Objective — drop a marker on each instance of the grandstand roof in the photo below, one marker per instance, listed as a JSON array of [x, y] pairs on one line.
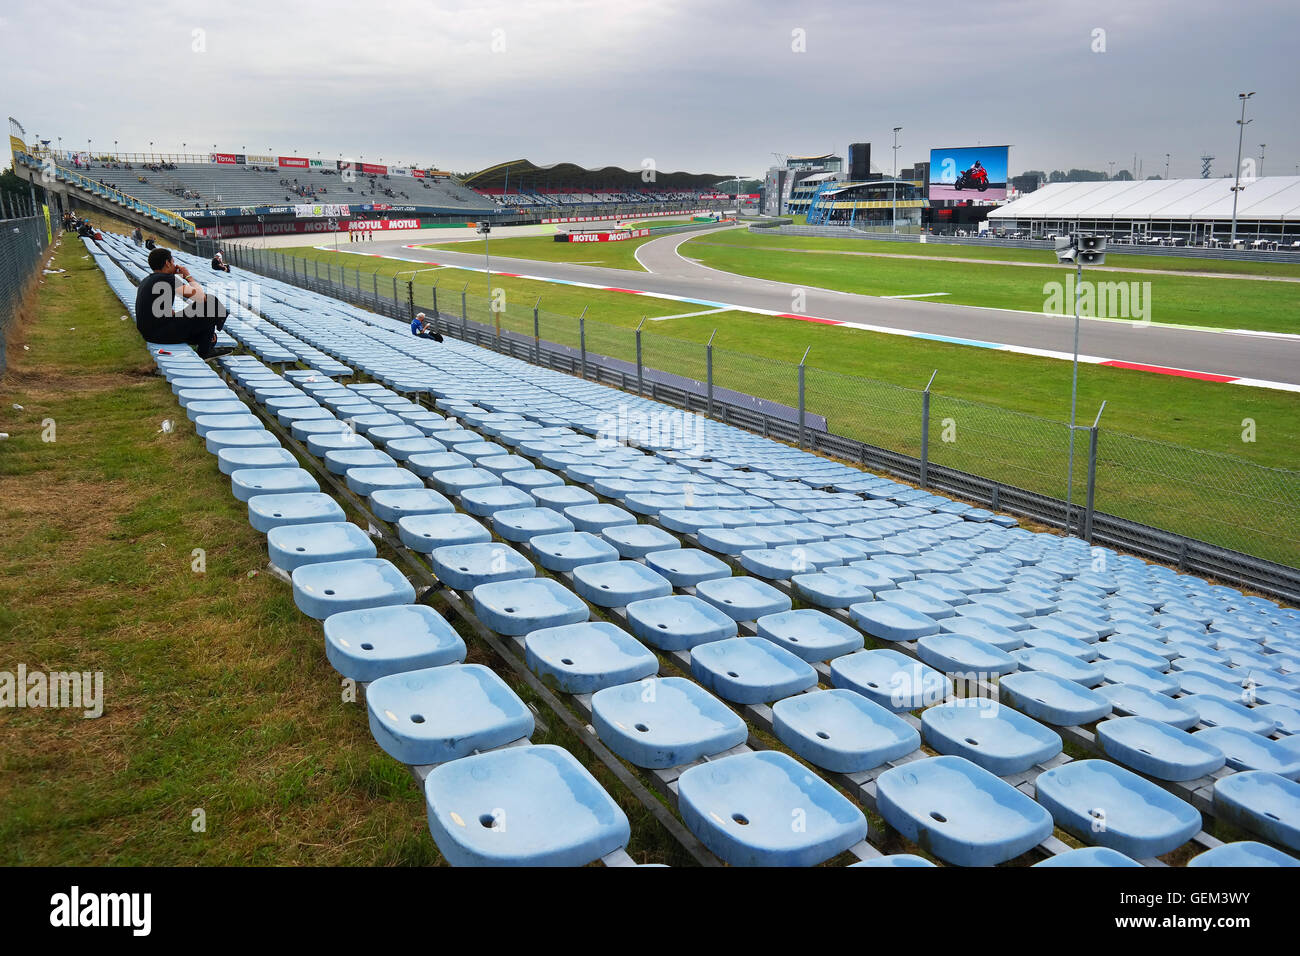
[[804, 159], [1270, 197], [525, 171]]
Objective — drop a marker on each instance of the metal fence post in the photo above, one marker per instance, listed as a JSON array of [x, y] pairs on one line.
[[803, 441], [437, 319], [1092, 475], [464, 313], [582, 340], [394, 288], [925, 429], [375, 277], [640, 369], [318, 272], [410, 299], [708, 371], [537, 334]]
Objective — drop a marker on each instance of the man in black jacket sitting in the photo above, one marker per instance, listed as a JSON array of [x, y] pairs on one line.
[[155, 316]]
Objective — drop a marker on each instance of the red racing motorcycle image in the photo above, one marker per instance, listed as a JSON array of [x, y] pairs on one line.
[[977, 177]]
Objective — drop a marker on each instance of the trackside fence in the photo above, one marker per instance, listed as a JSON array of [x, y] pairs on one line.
[[1214, 515], [23, 241]]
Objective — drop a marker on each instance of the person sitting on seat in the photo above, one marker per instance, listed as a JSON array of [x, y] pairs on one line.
[[155, 315], [422, 328], [219, 263]]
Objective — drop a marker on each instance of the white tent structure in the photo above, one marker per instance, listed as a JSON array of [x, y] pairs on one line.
[[1196, 211]]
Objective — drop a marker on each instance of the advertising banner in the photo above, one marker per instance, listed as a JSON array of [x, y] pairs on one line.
[[602, 236], [398, 171], [372, 169], [259, 159], [241, 159], [969, 172], [418, 173], [225, 159], [320, 210], [258, 229], [292, 162], [377, 224], [315, 162]]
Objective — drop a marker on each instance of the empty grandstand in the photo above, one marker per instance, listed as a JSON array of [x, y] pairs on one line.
[[523, 186], [646, 576]]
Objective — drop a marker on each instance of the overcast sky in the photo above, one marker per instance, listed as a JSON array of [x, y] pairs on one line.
[[700, 86]]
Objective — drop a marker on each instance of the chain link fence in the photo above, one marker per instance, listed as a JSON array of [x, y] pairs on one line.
[[1214, 514], [23, 242]]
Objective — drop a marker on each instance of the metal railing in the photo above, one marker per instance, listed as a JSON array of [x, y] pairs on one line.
[[88, 184], [1224, 517], [23, 242]]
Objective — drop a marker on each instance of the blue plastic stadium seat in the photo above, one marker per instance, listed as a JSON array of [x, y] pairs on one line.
[[743, 598], [218, 441], [271, 511], [892, 680], [320, 590], [1245, 853], [1129, 700], [230, 460], [750, 670], [1089, 856], [367, 644], [1218, 712], [741, 808], [827, 589], [1001, 740], [1126, 672], [638, 540], [1100, 802], [457, 481], [892, 622], [678, 622], [293, 545], [340, 461], [247, 482], [1058, 663], [618, 583], [1249, 751], [842, 731], [1158, 750], [520, 607], [393, 504], [584, 658], [522, 806], [437, 714], [466, 566], [664, 722], [366, 481], [425, 463], [956, 652], [686, 567], [1002, 638], [1053, 699], [524, 524], [425, 532], [323, 442], [206, 424], [487, 500], [402, 449], [809, 634], [960, 812], [563, 496]]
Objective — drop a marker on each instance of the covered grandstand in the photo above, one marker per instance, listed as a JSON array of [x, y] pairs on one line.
[[522, 183], [878, 202], [1179, 211]]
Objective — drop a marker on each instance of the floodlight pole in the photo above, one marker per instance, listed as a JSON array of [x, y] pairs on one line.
[[1236, 183], [893, 188]]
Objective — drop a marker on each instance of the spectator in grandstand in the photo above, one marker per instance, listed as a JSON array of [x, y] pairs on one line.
[[421, 328], [219, 263], [155, 315], [137, 236]]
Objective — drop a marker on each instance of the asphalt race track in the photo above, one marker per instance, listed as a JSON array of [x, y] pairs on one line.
[[1262, 357]]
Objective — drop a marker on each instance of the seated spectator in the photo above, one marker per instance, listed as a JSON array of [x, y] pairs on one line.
[[422, 328], [219, 263], [155, 315], [137, 236]]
